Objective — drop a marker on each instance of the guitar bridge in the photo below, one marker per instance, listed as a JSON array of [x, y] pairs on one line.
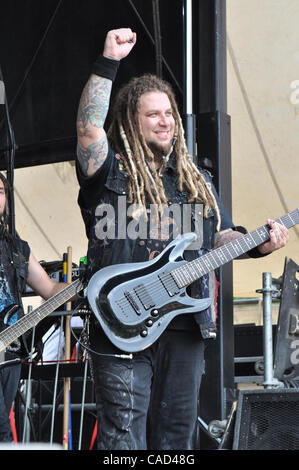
[[132, 302]]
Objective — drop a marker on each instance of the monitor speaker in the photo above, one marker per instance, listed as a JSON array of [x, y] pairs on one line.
[[267, 420]]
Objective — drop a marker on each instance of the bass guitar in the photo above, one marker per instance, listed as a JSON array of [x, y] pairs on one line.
[[135, 302], [12, 332]]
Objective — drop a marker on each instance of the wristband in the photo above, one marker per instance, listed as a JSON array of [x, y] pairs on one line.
[[255, 253], [105, 67]]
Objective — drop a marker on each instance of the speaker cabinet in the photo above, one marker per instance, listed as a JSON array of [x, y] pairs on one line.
[[267, 420]]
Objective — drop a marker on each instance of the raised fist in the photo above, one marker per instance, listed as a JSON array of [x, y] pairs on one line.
[[119, 43]]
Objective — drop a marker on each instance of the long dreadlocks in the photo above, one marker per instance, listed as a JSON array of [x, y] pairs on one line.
[[127, 139]]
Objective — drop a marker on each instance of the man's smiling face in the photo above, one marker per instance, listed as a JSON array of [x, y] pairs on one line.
[[157, 121]]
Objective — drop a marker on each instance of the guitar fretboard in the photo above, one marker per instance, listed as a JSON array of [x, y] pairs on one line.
[[190, 272], [14, 331]]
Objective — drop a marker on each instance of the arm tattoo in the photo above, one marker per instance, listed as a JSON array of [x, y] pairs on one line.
[[94, 103], [92, 156], [226, 236], [93, 108]]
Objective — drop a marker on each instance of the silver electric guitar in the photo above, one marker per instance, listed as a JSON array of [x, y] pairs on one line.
[[135, 302]]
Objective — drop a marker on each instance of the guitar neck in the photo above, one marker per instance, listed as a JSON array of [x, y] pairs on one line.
[[14, 331], [190, 272]]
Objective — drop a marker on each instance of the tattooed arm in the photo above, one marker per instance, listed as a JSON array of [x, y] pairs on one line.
[[94, 104], [226, 236], [92, 141], [278, 238]]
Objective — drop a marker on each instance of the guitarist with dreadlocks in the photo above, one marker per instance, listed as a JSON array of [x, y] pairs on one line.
[[136, 182], [18, 267]]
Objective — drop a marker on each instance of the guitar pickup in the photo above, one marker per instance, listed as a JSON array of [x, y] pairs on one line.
[[169, 284], [132, 302], [144, 297]]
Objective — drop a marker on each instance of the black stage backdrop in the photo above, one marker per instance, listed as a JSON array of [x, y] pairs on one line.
[[46, 52]]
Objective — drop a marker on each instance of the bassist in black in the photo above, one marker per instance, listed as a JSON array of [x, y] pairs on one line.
[[139, 189], [18, 267]]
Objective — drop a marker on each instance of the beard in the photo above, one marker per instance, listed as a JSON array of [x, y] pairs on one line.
[[159, 150]]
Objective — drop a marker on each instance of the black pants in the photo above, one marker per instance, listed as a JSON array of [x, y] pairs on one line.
[[9, 381], [150, 401]]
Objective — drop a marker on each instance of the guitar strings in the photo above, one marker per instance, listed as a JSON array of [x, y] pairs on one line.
[[155, 287], [21, 326]]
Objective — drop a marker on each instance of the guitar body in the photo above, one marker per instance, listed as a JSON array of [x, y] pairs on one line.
[[135, 302], [5, 316]]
